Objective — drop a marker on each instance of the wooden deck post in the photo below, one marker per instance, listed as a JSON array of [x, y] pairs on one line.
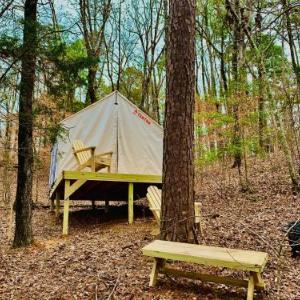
[[106, 206], [57, 205], [130, 203], [52, 205], [66, 208]]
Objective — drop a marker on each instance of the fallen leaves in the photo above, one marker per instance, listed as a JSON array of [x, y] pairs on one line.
[[101, 258]]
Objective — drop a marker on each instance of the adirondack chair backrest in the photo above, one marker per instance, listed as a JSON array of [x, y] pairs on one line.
[[154, 198], [83, 156]]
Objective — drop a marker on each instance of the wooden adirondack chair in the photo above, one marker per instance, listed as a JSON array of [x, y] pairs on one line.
[[86, 157], [154, 198]]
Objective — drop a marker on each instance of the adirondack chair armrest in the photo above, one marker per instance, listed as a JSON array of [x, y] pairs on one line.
[[92, 148], [104, 154]]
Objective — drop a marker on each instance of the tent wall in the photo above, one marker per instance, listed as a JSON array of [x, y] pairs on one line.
[[140, 141], [112, 124]]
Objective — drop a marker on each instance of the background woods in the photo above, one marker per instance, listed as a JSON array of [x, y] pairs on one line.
[[246, 83], [247, 71]]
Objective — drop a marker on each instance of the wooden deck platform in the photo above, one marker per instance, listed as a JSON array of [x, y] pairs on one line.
[[75, 185]]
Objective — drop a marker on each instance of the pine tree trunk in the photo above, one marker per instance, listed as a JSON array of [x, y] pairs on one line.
[[177, 220], [23, 231]]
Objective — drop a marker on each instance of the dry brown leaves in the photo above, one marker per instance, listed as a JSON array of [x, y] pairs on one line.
[[101, 258]]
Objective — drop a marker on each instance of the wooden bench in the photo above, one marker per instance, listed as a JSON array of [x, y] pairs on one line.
[[244, 260]]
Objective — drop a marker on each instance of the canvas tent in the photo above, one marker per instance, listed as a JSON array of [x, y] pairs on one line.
[[111, 124]]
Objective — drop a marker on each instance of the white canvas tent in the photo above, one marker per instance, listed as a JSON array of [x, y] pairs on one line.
[[112, 124]]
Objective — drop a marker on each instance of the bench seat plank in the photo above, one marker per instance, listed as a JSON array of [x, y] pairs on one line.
[[213, 256]]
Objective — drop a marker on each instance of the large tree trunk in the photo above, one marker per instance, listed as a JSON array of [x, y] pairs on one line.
[[23, 231], [177, 220]]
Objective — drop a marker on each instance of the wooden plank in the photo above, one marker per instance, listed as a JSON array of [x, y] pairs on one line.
[[75, 186], [55, 185], [205, 277], [154, 273], [114, 177], [153, 207], [258, 281], [197, 207], [66, 209], [130, 203], [154, 198], [206, 255]]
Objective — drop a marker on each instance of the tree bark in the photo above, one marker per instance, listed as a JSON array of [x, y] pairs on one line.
[[23, 231], [261, 80], [237, 20], [177, 221]]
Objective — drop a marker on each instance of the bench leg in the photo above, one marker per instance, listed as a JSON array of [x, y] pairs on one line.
[[258, 281], [157, 264], [154, 273], [250, 290]]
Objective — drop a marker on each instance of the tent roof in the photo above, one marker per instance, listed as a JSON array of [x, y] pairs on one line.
[[108, 97]]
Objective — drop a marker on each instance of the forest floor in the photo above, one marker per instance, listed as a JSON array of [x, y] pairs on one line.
[[101, 258]]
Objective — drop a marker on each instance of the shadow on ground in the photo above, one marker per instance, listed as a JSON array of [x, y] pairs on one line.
[[117, 214]]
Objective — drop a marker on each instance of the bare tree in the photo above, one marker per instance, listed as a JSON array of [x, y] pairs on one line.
[[93, 16], [148, 25]]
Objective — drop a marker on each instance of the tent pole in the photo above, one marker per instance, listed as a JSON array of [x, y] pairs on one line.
[[66, 208], [130, 203]]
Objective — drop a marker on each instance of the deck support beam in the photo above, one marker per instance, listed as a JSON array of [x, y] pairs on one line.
[[106, 206], [130, 203], [52, 205], [57, 205], [74, 187], [66, 208]]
